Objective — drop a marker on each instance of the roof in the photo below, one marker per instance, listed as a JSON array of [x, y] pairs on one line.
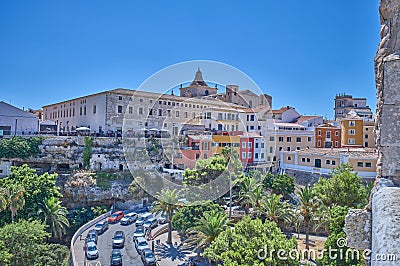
[[250, 135], [198, 79], [282, 110], [288, 125], [8, 110], [257, 109], [352, 152], [304, 118]]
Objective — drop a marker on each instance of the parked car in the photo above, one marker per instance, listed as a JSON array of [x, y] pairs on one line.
[[116, 217], [116, 258], [118, 239], [150, 224], [148, 257], [143, 218], [162, 219], [91, 236], [139, 232], [101, 227], [141, 244], [91, 250], [129, 218]]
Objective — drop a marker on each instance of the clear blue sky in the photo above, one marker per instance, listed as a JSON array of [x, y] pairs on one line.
[[300, 52]]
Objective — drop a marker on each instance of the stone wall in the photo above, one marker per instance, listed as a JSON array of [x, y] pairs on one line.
[[378, 226]]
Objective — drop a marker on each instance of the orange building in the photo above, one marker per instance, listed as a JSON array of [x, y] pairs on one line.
[[328, 136], [199, 147]]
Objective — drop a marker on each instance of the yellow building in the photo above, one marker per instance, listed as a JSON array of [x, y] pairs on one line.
[[323, 160], [369, 134], [352, 132], [221, 141]]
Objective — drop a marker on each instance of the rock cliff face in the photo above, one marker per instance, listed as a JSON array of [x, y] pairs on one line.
[[383, 212]]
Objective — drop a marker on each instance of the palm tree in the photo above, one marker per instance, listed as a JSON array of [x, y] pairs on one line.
[[210, 225], [250, 193], [3, 199], [54, 216], [166, 204], [276, 210], [308, 206], [14, 199]]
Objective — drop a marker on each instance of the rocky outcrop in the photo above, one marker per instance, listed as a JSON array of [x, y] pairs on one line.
[[384, 206]]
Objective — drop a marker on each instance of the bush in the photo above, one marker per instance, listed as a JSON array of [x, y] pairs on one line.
[[18, 147]]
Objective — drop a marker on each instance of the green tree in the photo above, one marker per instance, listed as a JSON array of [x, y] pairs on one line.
[[275, 210], [249, 192], [167, 203], [308, 206], [19, 147], [37, 188], [53, 255], [204, 171], [23, 241], [249, 239], [344, 188], [188, 216], [54, 216], [87, 151], [5, 255], [279, 184], [210, 225], [14, 198]]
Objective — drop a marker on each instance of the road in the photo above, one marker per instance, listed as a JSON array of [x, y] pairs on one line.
[[104, 245]]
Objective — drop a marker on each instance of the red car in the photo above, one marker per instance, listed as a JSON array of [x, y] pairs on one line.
[[115, 217]]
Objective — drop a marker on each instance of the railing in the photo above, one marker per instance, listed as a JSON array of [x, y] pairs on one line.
[[163, 229], [79, 233]]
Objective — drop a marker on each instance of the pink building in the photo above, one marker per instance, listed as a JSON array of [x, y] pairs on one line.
[[199, 147]]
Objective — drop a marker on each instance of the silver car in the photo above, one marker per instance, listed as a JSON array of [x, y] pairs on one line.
[[141, 244], [129, 218], [91, 250]]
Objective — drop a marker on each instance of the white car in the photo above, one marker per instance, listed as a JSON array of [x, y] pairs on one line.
[[162, 219], [141, 244], [140, 232], [129, 218], [91, 250]]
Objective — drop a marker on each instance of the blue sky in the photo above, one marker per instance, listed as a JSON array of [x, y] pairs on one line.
[[300, 52]]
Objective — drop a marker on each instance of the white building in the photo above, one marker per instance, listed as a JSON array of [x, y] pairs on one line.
[[14, 121]]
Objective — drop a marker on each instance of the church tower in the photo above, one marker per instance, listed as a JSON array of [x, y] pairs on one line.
[[198, 87]]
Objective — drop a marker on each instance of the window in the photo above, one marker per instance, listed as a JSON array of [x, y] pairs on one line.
[[159, 112], [262, 155], [303, 160], [151, 112], [130, 109], [249, 155], [280, 139], [180, 155], [298, 139], [186, 115], [366, 136], [280, 148], [119, 109], [271, 138], [169, 113], [336, 144], [328, 162], [84, 110], [271, 149], [288, 148], [289, 158], [352, 132], [368, 165], [249, 144], [333, 162], [177, 114], [205, 156], [289, 139], [309, 139], [319, 143], [197, 156], [298, 148], [256, 145], [351, 141], [319, 132], [243, 155], [262, 145], [120, 98], [366, 144], [140, 110], [328, 134], [352, 123], [251, 117], [336, 133], [94, 109], [308, 160], [360, 164], [243, 145], [256, 155], [205, 146]]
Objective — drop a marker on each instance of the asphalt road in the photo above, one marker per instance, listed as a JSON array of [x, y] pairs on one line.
[[104, 245]]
